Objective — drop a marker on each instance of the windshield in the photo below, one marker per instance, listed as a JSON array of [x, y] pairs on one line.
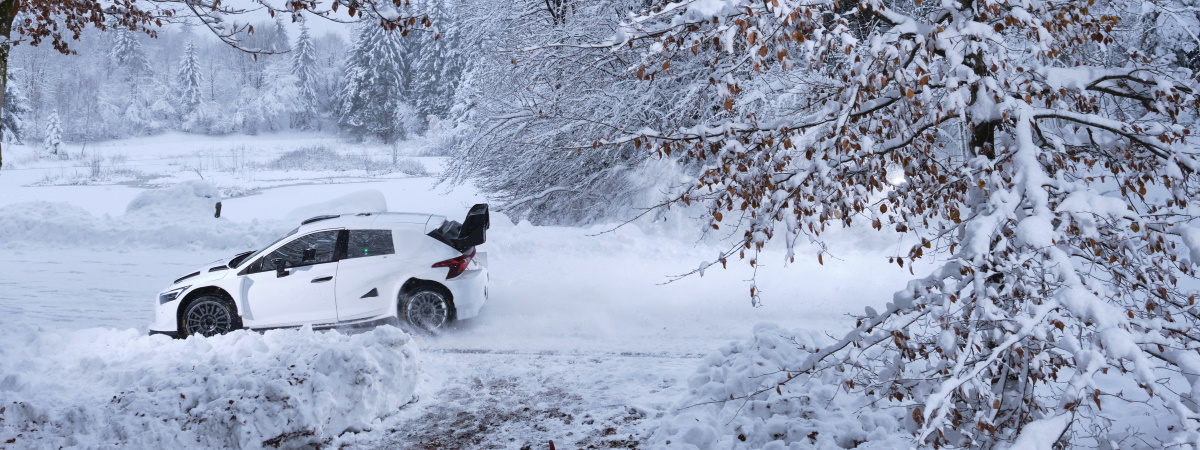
[[259, 252]]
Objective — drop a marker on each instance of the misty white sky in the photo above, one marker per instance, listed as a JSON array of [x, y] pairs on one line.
[[318, 25]]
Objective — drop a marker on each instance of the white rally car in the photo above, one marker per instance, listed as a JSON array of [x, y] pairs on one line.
[[350, 269]]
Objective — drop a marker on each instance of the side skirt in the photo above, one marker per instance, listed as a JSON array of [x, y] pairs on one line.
[[354, 324]]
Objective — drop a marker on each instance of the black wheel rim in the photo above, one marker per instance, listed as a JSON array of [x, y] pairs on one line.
[[208, 318], [428, 310]]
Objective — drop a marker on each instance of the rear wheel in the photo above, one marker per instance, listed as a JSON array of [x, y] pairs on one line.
[[428, 309], [209, 316]]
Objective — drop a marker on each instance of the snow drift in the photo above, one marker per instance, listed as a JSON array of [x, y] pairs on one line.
[[97, 387], [62, 225], [732, 402], [191, 198], [179, 216], [366, 200]]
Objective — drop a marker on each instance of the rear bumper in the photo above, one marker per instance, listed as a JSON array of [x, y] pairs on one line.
[[470, 291]]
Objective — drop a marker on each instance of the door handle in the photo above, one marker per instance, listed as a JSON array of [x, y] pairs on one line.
[[321, 279]]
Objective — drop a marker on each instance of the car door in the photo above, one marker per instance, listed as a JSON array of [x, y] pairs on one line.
[[303, 292], [367, 275]]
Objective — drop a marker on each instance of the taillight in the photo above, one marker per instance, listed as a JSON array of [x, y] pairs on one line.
[[457, 265]]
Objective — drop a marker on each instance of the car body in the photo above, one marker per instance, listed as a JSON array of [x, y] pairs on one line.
[[349, 269]]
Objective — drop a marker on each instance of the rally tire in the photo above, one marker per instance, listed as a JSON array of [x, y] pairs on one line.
[[209, 315], [427, 309]]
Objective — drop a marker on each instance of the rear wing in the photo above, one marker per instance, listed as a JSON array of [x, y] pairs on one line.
[[471, 232]]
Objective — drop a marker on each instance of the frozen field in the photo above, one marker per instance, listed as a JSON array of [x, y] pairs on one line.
[[582, 342]]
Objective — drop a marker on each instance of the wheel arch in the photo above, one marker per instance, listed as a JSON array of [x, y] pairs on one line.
[[201, 292], [414, 285]]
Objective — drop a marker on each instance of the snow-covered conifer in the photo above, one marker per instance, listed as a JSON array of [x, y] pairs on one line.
[[304, 68], [374, 84], [279, 41], [189, 93], [53, 145], [16, 106], [127, 55], [272, 107], [438, 65]]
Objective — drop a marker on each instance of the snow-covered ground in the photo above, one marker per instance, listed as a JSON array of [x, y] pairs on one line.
[[583, 341]]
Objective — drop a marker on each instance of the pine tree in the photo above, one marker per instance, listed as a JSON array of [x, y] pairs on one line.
[[189, 93], [279, 41], [304, 68], [374, 84], [53, 144], [127, 54], [272, 107], [438, 65], [16, 106]]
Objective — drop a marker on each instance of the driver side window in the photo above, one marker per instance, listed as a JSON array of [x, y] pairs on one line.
[[307, 250]]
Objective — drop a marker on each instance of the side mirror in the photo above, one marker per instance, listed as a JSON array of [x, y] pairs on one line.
[[280, 267], [309, 255]]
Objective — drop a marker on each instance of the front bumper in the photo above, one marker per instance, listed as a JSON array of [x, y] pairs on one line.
[[165, 318]]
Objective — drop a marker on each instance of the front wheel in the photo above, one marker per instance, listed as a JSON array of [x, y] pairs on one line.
[[428, 310], [209, 315]]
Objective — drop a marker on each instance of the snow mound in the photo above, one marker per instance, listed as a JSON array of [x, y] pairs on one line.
[[367, 200], [732, 403], [192, 198], [40, 225], [98, 388]]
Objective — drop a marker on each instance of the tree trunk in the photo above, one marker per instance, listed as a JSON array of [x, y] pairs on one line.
[[8, 12]]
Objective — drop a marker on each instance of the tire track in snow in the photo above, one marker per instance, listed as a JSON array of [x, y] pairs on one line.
[[484, 351]]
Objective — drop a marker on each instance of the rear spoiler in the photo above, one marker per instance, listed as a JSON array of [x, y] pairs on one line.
[[471, 232]]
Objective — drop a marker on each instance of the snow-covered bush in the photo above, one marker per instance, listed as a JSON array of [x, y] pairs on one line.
[[410, 166], [408, 121], [96, 387], [101, 169], [733, 402], [1050, 165], [440, 137], [323, 157]]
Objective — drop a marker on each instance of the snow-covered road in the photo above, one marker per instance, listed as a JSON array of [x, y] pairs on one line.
[[582, 340]]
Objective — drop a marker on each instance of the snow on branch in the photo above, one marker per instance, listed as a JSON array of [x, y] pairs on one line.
[[1049, 158]]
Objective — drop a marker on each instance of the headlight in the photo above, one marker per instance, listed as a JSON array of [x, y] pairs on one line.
[[171, 294]]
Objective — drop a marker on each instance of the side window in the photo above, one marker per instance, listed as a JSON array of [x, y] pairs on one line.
[[363, 243], [315, 248]]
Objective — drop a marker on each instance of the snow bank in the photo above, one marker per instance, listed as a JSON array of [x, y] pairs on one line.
[[40, 225], [189, 199], [367, 200], [719, 411], [98, 388], [179, 216]]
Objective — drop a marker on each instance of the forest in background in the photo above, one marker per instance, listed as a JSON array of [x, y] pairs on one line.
[[125, 84]]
